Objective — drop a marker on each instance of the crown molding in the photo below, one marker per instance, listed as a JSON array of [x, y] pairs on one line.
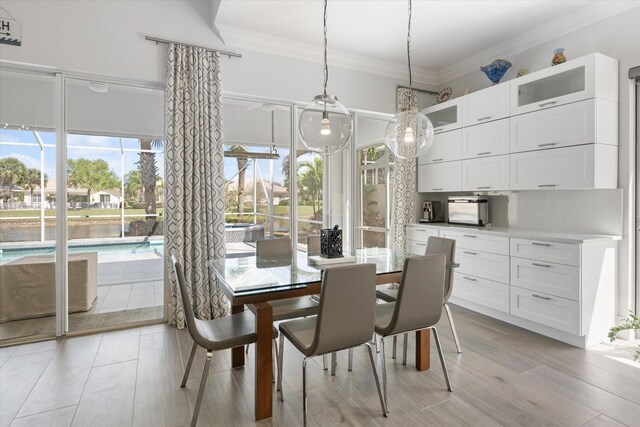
[[250, 40], [589, 15]]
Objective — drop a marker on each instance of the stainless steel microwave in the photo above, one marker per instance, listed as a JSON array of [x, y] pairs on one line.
[[470, 210]]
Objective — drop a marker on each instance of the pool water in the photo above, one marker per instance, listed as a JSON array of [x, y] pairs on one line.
[[124, 250]]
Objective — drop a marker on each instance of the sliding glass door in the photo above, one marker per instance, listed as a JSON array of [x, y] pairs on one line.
[[28, 134]]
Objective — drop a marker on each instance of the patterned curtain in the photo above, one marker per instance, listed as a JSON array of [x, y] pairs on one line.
[[403, 177], [194, 176]]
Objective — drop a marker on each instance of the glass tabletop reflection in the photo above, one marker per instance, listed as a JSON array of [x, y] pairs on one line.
[[256, 275]]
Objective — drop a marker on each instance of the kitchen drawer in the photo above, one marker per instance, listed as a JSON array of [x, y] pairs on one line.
[[489, 139], [583, 166], [481, 291], [436, 177], [555, 312], [486, 174], [414, 247], [447, 146], [486, 105], [540, 250], [483, 264], [420, 233], [586, 122], [478, 241], [553, 279]]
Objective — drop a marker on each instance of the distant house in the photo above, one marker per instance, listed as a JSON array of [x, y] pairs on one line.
[[279, 192]]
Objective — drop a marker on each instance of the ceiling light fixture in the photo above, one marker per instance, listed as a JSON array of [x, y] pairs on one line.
[[325, 124], [409, 134], [99, 87]]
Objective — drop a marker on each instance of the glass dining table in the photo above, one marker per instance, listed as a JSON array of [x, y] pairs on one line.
[[254, 281]]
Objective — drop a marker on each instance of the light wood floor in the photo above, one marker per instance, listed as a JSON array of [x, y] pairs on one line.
[[505, 376]]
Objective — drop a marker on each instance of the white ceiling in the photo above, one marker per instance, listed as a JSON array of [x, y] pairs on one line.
[[447, 37]]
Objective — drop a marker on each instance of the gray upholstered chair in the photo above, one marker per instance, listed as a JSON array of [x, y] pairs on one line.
[[435, 245], [345, 320], [418, 306], [313, 245], [220, 334]]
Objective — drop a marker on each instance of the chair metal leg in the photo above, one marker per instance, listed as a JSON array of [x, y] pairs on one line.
[[395, 345], [203, 382], [246, 349], [453, 328], [280, 363], [350, 368], [444, 366], [273, 366], [334, 363], [405, 343], [194, 347], [324, 362], [304, 390], [384, 372], [375, 375]]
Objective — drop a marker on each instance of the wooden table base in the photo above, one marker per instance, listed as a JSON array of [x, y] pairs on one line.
[[264, 360], [423, 349], [237, 353]]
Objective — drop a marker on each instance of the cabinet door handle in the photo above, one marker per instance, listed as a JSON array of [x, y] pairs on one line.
[[437, 130], [421, 244], [484, 153], [470, 253], [436, 189], [549, 144], [547, 185], [483, 188], [540, 244], [438, 160], [471, 279], [540, 297], [481, 119], [545, 104], [469, 235], [541, 265]]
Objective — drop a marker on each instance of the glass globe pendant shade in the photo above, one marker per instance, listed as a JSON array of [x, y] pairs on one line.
[[409, 134], [325, 125]]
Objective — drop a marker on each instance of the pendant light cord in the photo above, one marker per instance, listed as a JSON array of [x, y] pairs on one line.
[[408, 45], [326, 68]]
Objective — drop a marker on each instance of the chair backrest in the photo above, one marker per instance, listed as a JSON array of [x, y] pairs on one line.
[[313, 245], [420, 296], [447, 247], [346, 316], [183, 294], [274, 247]]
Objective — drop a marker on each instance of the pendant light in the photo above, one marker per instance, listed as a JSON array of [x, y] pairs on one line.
[[325, 124], [409, 134]]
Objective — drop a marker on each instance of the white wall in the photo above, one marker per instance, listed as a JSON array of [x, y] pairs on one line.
[[618, 37], [106, 37]]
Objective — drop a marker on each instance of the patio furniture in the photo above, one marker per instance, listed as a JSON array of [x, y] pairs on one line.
[[28, 285]]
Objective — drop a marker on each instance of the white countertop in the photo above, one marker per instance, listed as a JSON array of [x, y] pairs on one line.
[[555, 236]]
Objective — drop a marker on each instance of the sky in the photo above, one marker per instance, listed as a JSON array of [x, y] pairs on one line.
[[108, 149]]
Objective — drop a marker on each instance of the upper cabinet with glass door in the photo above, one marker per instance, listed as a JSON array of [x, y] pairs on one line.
[[446, 116], [590, 76]]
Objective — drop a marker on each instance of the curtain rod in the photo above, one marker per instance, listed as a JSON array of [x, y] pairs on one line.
[[430, 92], [222, 52]]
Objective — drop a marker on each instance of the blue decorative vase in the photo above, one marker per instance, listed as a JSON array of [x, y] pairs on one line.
[[496, 70]]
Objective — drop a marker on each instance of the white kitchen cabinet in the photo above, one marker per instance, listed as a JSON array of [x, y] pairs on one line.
[[554, 279], [585, 122], [590, 76], [582, 166], [435, 177], [484, 242], [486, 105], [555, 312], [445, 116], [486, 174], [420, 233], [447, 146], [480, 291], [483, 264], [489, 139], [542, 250]]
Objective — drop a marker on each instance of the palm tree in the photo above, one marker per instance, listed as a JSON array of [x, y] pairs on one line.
[[12, 172], [148, 172], [242, 166], [31, 180], [310, 181]]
